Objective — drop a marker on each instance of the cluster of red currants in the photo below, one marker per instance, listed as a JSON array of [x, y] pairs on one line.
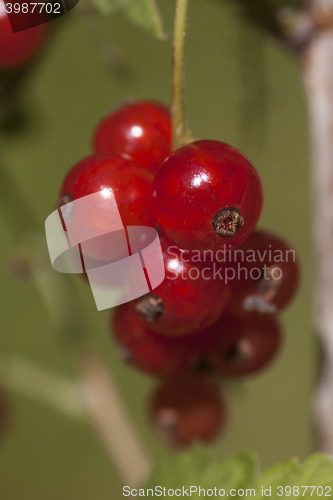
[[215, 312]]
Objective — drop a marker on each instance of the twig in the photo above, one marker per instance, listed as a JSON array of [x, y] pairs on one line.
[[108, 415], [23, 377], [318, 79]]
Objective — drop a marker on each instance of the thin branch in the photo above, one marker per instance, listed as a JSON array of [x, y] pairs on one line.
[[108, 415], [306, 27], [288, 21], [318, 79], [54, 390]]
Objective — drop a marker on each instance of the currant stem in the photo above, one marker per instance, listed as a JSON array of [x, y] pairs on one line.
[[181, 131]]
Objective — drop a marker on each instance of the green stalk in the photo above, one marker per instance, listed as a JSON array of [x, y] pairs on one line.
[[181, 131]]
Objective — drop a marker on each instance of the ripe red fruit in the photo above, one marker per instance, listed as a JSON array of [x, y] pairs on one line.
[[149, 351], [266, 274], [131, 187], [207, 195], [18, 49], [189, 409], [140, 130], [187, 301], [243, 345]]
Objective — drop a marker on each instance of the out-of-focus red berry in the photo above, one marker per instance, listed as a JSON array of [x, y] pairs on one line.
[[266, 274], [151, 352], [242, 345], [18, 49], [189, 409]]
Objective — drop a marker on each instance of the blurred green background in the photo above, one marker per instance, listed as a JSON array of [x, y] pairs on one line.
[[47, 455]]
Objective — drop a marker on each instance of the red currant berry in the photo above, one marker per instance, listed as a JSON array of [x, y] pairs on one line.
[[140, 130], [243, 345], [266, 274], [18, 49], [187, 301], [188, 409], [114, 178], [149, 351], [206, 195]]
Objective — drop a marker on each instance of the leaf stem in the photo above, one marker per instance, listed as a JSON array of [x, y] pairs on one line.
[[108, 415], [56, 391], [181, 131]]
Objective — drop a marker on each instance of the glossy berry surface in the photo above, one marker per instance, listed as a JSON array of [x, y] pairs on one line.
[[140, 130], [243, 345], [113, 178], [189, 409], [187, 301], [18, 49], [207, 195], [148, 351], [266, 274]]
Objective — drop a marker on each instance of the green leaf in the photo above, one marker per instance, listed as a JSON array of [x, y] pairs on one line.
[[145, 14], [316, 471], [199, 468], [277, 474], [110, 6]]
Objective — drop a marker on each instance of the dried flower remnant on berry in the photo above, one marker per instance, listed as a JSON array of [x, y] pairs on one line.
[[152, 307], [270, 284], [259, 304], [167, 423], [242, 352], [227, 222], [125, 354], [62, 201]]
